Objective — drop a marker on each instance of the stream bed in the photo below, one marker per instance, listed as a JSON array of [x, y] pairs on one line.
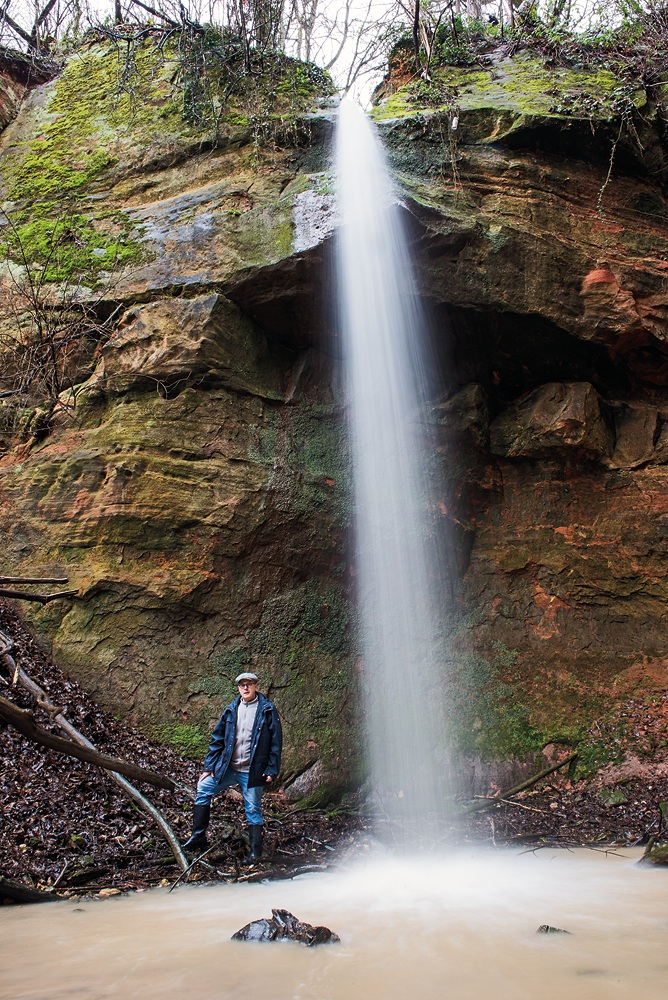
[[463, 927]]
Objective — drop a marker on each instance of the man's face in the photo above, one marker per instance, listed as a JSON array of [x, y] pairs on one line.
[[247, 690]]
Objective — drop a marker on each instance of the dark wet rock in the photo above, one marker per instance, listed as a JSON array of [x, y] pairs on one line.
[[307, 783], [637, 430], [547, 929], [611, 797], [560, 416], [17, 892], [465, 415], [283, 925]]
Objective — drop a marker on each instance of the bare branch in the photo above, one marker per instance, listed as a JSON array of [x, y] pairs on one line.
[[22, 719], [23, 595]]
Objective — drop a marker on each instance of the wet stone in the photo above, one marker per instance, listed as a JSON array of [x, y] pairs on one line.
[[284, 926], [547, 929], [611, 797], [656, 855]]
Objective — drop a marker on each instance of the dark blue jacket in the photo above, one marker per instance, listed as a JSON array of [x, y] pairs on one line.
[[266, 743]]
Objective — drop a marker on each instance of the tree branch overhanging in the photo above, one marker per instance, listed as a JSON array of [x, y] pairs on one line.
[[22, 719]]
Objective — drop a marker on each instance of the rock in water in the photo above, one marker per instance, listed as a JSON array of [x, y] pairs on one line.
[[656, 854], [283, 925], [547, 929]]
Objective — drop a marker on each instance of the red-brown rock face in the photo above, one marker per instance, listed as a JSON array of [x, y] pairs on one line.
[[549, 285]]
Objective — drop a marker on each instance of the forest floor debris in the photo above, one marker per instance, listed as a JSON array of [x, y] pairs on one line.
[[66, 828]]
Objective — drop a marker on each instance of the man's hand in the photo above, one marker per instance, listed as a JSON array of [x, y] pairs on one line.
[[267, 778], [204, 774]]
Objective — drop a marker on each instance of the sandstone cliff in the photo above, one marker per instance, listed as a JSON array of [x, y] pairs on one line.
[[191, 478], [194, 482]]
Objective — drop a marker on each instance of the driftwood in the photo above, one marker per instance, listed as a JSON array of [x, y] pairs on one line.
[[22, 720], [16, 892], [26, 682], [493, 800]]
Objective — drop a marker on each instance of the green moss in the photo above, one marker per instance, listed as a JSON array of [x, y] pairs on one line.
[[189, 741], [522, 85], [486, 716], [58, 248], [50, 175], [236, 120], [102, 109]]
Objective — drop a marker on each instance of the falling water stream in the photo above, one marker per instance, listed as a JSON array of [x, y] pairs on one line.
[[459, 926], [396, 554]]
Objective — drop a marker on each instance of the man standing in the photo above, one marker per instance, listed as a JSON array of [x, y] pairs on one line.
[[245, 750]]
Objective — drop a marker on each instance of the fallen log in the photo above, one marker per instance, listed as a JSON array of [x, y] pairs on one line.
[[17, 892], [22, 720], [22, 678], [488, 803]]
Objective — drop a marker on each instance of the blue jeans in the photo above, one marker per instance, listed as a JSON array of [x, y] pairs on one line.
[[208, 787]]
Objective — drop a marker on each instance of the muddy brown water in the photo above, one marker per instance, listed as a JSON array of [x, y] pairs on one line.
[[462, 927]]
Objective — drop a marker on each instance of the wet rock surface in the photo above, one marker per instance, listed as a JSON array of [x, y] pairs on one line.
[[284, 926], [656, 855]]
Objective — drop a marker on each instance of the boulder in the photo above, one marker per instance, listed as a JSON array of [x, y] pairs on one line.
[[656, 855], [284, 926], [637, 428], [173, 343], [563, 418]]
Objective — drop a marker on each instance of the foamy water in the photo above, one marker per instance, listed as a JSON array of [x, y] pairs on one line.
[[462, 927]]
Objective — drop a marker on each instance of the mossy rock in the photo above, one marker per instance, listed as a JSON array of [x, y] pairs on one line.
[[67, 163], [515, 90], [656, 855]]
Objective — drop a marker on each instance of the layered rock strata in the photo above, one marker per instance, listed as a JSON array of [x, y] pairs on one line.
[[197, 493]]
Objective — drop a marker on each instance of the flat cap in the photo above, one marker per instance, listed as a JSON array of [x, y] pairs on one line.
[[246, 677]]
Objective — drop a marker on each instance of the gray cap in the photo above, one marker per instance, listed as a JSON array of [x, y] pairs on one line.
[[246, 677]]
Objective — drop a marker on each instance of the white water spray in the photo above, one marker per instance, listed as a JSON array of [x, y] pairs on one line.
[[397, 565]]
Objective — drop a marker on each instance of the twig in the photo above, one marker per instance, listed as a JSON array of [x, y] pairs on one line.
[[520, 805], [198, 859], [39, 598], [60, 877]]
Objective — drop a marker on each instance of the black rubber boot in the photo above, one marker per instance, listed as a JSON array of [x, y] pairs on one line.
[[255, 843], [197, 840]]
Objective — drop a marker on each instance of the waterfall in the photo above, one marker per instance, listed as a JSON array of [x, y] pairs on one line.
[[397, 571]]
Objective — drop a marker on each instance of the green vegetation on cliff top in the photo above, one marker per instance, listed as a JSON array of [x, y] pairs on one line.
[[105, 117], [521, 84]]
